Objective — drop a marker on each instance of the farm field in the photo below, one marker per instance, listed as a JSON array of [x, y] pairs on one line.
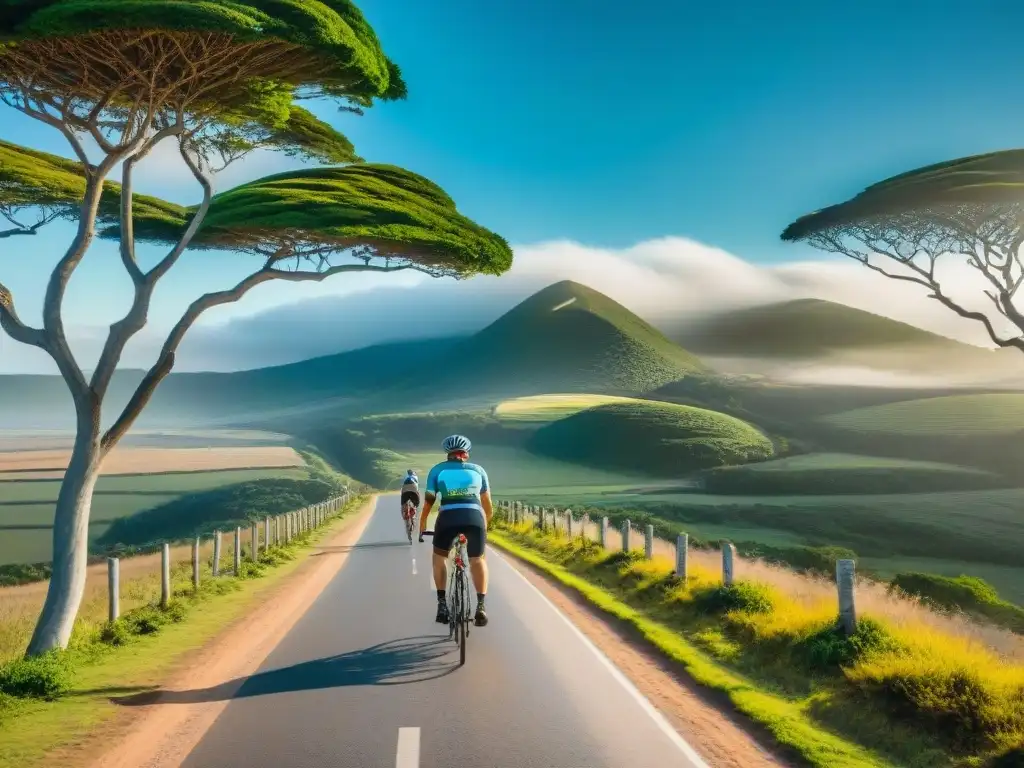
[[20, 465], [45, 439], [541, 409], [26, 506], [961, 415]]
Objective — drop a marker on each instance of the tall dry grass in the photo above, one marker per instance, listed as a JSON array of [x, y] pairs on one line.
[[816, 594], [140, 585]]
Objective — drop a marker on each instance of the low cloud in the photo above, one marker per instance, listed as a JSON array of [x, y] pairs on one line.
[[662, 280]]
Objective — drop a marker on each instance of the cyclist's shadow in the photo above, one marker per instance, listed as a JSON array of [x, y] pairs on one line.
[[395, 662]]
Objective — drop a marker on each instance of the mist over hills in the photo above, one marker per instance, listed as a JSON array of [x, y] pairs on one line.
[[566, 337]]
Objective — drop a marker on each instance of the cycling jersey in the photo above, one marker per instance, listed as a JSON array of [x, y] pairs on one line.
[[458, 485]]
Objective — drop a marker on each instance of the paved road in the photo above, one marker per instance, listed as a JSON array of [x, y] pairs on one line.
[[366, 679]]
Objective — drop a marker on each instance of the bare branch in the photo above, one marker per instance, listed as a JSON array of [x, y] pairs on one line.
[[13, 324], [165, 360]]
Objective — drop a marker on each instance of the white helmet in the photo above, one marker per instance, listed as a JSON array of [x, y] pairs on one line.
[[456, 443]]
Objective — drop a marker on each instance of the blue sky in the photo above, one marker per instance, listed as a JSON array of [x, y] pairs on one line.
[[613, 123]]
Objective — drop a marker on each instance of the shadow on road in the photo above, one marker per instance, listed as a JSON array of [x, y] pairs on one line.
[[396, 662], [366, 545]]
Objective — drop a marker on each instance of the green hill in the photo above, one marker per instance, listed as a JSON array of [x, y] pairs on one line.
[[565, 338], [333, 383], [654, 438], [955, 415], [809, 328]]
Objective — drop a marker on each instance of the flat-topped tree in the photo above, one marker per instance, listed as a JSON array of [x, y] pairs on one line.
[[971, 210], [220, 78]]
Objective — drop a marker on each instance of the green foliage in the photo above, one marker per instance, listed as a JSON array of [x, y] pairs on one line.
[[660, 439], [833, 474], [48, 676], [29, 178], [830, 647], [746, 596], [393, 211], [986, 179], [426, 430], [224, 508], [325, 45], [970, 594], [13, 574]]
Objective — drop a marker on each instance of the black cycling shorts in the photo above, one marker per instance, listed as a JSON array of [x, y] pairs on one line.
[[476, 538], [410, 496]]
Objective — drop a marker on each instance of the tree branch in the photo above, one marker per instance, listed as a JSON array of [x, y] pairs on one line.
[[165, 361], [131, 265], [13, 324]]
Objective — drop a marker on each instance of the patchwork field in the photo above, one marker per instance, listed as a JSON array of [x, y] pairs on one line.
[[167, 466], [39, 464]]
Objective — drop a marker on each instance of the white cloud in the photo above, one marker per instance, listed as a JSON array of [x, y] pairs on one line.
[[659, 279]]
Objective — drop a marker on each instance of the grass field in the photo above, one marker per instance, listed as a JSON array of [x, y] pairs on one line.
[[963, 415], [26, 506], [514, 471], [840, 473], [541, 409]]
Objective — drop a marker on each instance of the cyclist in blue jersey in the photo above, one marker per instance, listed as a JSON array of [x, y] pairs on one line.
[[465, 507]]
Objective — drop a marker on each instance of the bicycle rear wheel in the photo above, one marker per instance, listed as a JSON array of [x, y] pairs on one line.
[[462, 618]]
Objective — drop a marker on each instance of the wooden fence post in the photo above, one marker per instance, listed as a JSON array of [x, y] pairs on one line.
[[216, 554], [113, 588], [195, 563], [649, 542], [604, 533], [165, 575], [626, 528], [277, 530], [682, 555], [846, 578], [568, 522], [728, 563], [585, 526], [266, 534], [254, 534], [238, 551]]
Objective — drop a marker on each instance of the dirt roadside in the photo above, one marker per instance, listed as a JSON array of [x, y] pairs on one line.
[[720, 737], [162, 737]]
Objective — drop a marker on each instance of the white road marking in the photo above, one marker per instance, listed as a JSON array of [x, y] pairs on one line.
[[408, 755], [659, 719], [414, 566]]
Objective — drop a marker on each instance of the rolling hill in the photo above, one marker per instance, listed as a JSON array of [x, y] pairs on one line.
[[653, 438], [566, 338], [809, 329], [276, 394]]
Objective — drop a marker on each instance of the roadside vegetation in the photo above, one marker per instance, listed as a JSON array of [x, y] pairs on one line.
[[898, 692], [107, 659]]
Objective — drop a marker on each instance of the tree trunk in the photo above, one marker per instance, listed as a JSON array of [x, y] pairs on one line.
[[70, 537]]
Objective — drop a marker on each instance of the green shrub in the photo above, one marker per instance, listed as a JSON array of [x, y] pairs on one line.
[[40, 677], [13, 574], [746, 596], [830, 648]]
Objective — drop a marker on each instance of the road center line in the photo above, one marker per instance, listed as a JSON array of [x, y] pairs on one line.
[[408, 755], [414, 566]]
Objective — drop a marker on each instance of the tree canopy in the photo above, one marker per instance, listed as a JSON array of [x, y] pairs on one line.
[[971, 208], [985, 182], [33, 179], [379, 209]]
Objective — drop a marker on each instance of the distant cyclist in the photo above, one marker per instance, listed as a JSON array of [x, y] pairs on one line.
[[410, 491], [465, 508]]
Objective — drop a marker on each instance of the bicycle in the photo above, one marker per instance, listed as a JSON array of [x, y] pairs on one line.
[[459, 613], [409, 515]]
